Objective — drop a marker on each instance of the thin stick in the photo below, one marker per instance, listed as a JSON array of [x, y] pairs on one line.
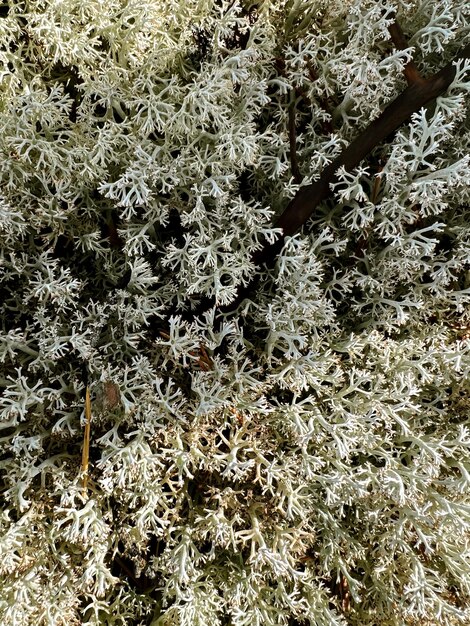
[[86, 440], [411, 72], [417, 95]]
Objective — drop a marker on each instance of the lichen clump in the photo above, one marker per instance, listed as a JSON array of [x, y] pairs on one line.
[[302, 460]]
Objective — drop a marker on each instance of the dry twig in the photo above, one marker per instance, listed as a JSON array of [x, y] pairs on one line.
[[86, 441]]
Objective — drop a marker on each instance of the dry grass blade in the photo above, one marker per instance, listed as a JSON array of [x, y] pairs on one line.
[[86, 440]]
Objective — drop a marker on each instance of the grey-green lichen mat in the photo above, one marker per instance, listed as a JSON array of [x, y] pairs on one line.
[[191, 435]]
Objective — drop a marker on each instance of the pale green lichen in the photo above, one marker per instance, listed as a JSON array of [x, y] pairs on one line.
[[303, 460]]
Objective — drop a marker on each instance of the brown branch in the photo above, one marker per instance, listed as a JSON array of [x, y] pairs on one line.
[[412, 99], [411, 72], [417, 95]]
